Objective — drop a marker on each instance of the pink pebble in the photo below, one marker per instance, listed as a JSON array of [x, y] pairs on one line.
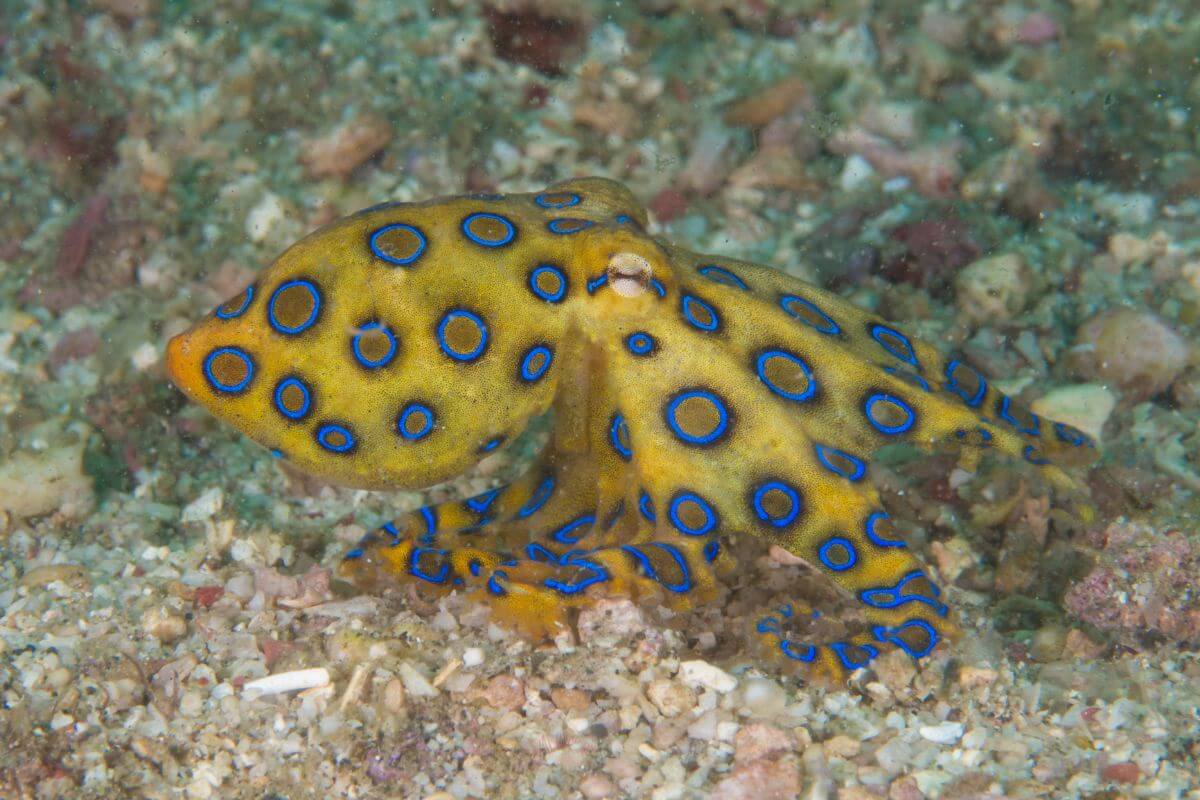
[[1037, 27]]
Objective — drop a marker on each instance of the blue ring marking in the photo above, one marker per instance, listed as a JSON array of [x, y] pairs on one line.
[[352, 554], [473, 566], [598, 575], [458, 313], [402, 422], [892, 596], [625, 219], [1071, 435], [640, 343], [390, 529], [1003, 408], [875, 539], [312, 317], [229, 388], [400, 262], [883, 633], [807, 655], [1030, 454], [277, 398], [911, 378], [482, 503], [658, 287], [789, 516], [429, 516], [510, 230], [716, 402], [572, 200], [356, 345], [531, 372], [829, 327], [952, 385], [853, 472], [563, 532], [493, 585], [904, 352], [685, 575], [768, 625], [718, 274], [564, 226], [331, 428], [540, 495], [689, 303], [712, 550], [616, 429], [760, 367], [597, 282], [249, 296], [549, 297], [276, 452], [535, 551], [643, 560], [646, 506], [829, 555], [414, 565], [491, 444], [889, 430], [710, 516], [842, 651]]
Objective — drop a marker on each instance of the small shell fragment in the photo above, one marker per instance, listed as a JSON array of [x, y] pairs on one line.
[[288, 681]]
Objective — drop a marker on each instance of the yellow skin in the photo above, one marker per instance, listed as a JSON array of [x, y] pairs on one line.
[[694, 397]]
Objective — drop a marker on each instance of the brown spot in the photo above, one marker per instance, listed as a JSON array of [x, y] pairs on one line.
[[888, 413], [692, 515], [697, 417], [374, 344], [399, 243], [776, 504], [292, 398], [293, 306], [785, 375], [462, 335], [489, 229], [548, 282], [229, 369]]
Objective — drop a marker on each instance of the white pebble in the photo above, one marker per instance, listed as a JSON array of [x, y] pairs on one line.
[[289, 681], [144, 356], [855, 173], [416, 684], [698, 674], [472, 657], [206, 506], [263, 217], [942, 733]]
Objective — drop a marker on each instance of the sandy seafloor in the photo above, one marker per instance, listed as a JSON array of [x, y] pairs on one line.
[[1016, 180]]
